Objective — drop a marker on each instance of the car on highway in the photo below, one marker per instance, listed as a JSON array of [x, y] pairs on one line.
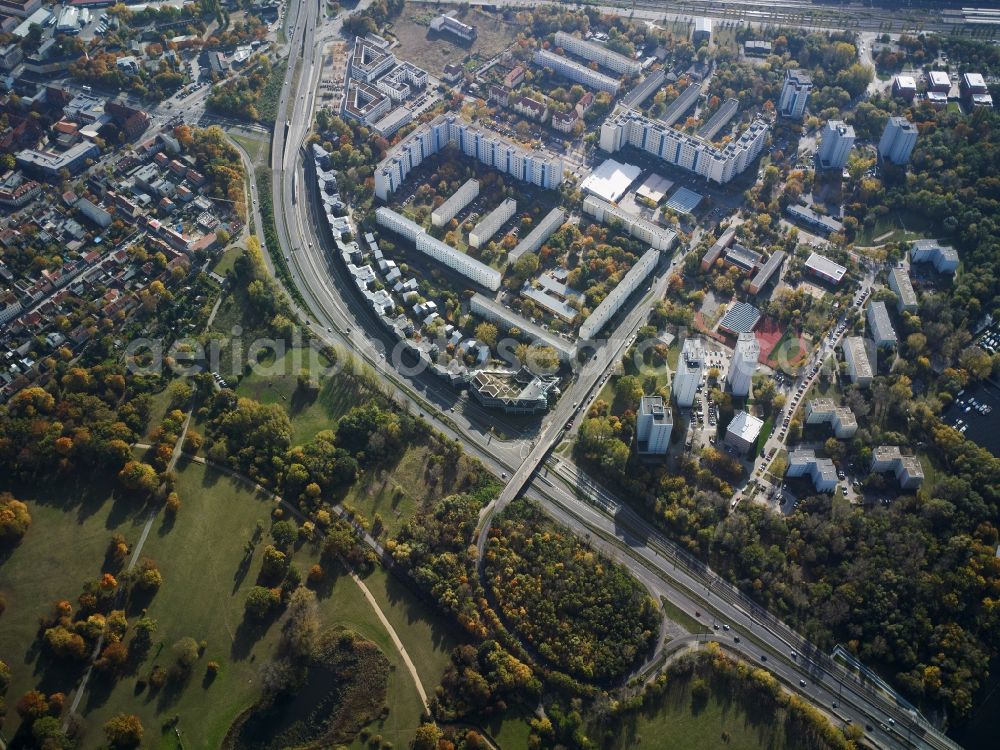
[[802, 683]]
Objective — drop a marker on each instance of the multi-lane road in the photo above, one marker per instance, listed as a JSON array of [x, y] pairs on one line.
[[566, 493]]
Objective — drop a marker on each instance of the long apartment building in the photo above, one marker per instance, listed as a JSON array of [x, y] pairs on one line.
[[719, 164], [441, 252], [534, 166], [485, 229], [599, 54], [655, 236], [899, 282], [544, 229], [880, 325], [859, 367], [489, 309], [574, 71], [617, 296], [455, 203]]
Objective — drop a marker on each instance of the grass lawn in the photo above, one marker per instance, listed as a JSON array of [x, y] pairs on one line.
[[894, 226], [682, 618], [678, 721], [227, 259], [397, 492], [72, 524], [202, 596], [510, 731], [427, 636], [277, 383], [257, 148], [159, 405]]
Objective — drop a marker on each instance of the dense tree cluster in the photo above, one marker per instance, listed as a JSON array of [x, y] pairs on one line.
[[251, 96], [578, 609]]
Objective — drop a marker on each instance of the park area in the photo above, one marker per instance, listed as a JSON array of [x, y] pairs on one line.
[[209, 561]]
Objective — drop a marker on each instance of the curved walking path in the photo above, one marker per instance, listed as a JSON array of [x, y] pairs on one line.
[[404, 655]]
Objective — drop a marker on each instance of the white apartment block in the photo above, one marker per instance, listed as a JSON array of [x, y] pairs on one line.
[[617, 296], [690, 368], [803, 462], [438, 250], [826, 411], [629, 128], [859, 366], [490, 309], [365, 102], [398, 84], [653, 425], [655, 236], [743, 364], [908, 470], [835, 147], [574, 71], [599, 54], [880, 325], [944, 259], [484, 230], [528, 165], [455, 203], [544, 229], [898, 140], [899, 282], [794, 94], [369, 61]]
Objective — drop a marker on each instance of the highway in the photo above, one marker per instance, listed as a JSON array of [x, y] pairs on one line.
[[566, 493]]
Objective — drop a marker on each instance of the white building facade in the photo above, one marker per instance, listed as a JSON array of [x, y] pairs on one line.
[[484, 230], [743, 364], [655, 236], [898, 140], [653, 425], [629, 128], [794, 94], [441, 252], [690, 369], [540, 168], [836, 144], [617, 296], [599, 54], [455, 203], [574, 71]]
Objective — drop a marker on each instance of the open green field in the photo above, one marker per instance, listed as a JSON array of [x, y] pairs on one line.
[[276, 382], [71, 526], [680, 721], [397, 492], [206, 579]]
